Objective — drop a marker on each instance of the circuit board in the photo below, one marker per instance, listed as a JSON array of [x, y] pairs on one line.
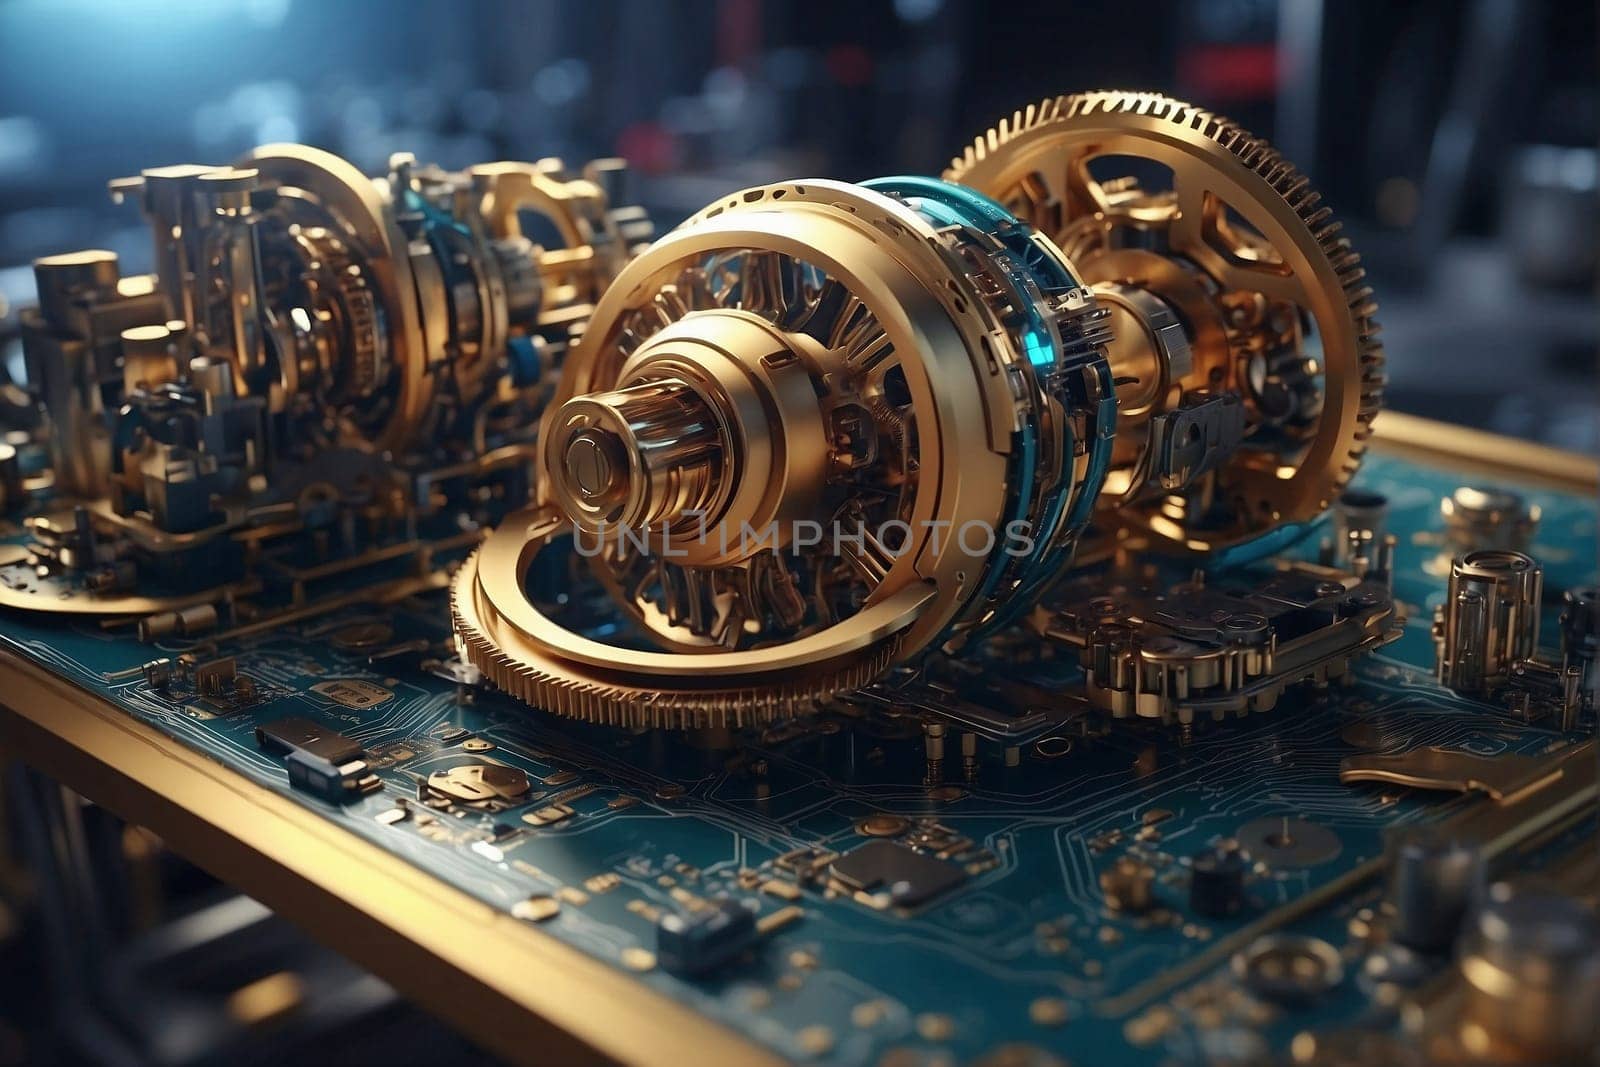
[[992, 943]]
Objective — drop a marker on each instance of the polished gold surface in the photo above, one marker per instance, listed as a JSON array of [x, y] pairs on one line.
[[1270, 295], [822, 353], [1507, 778], [844, 371]]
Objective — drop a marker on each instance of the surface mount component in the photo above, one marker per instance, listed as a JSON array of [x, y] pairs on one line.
[[298, 734], [320, 359], [706, 937], [822, 430], [892, 874], [1216, 881]]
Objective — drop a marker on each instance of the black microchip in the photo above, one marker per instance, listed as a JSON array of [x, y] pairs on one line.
[[296, 734], [706, 939], [910, 878]]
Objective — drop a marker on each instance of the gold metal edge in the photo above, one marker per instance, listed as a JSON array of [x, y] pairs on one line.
[[516, 990], [1443, 444]]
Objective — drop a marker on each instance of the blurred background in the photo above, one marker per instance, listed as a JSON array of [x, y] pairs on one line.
[[1457, 141]]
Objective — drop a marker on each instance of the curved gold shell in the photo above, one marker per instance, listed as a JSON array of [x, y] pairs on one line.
[[926, 315]]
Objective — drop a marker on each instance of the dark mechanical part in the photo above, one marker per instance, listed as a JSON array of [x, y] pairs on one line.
[[706, 937], [12, 494], [337, 783], [297, 734], [1435, 880], [1203, 652], [1129, 886], [1580, 639], [897, 875], [1216, 881], [1289, 969], [1282, 841], [1537, 687], [1489, 619], [1531, 960]]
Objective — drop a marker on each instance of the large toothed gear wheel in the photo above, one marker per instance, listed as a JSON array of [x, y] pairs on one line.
[[901, 366], [1228, 249]]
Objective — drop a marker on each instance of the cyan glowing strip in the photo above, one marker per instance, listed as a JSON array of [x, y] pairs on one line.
[[1023, 260]]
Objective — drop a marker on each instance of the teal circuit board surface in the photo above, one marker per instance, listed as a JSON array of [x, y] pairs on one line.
[[1016, 953]]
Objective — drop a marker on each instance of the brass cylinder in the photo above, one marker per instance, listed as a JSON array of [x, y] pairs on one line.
[[147, 357], [60, 280], [636, 457], [1489, 620]]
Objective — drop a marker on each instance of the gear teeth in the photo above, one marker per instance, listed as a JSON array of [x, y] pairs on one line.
[[1255, 154], [655, 707]]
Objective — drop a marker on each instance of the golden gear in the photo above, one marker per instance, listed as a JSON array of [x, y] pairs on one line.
[[1242, 250], [830, 354], [532, 657], [912, 352]]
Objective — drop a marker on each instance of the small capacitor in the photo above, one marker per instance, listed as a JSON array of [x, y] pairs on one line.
[[1359, 515], [1216, 881], [158, 673], [704, 940], [1480, 518], [1489, 619], [1434, 879]]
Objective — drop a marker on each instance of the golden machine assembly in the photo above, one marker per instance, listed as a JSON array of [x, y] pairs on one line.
[[981, 619]]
